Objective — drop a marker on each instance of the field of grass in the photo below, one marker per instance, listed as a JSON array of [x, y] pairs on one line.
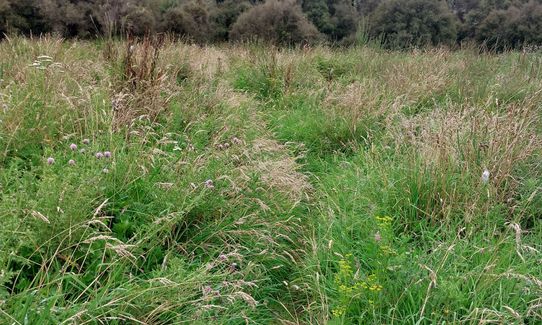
[[165, 183]]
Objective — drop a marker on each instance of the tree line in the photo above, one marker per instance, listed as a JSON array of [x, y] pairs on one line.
[[497, 24]]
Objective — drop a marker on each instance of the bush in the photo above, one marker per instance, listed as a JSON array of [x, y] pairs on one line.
[[224, 15], [190, 20], [335, 18], [511, 28], [139, 21], [277, 22], [414, 23]]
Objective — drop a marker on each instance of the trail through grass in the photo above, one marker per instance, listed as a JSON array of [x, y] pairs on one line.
[[265, 186]]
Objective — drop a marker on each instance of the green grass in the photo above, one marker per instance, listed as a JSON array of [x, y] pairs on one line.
[[264, 186]]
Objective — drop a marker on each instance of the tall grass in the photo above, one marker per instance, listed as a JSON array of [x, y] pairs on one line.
[[263, 185]]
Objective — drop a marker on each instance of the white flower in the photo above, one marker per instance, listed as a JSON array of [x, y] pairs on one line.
[[485, 176]]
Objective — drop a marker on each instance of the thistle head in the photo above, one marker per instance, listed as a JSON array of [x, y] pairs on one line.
[[71, 162], [50, 160], [73, 146], [86, 141], [99, 155], [107, 154]]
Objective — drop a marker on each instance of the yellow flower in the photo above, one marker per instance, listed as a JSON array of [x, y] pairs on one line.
[[339, 311]]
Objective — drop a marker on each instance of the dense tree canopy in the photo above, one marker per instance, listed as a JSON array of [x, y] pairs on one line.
[[278, 22], [496, 24], [414, 22]]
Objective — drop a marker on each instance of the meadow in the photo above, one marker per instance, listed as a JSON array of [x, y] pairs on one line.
[[157, 182]]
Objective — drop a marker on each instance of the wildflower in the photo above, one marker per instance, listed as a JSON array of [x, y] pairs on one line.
[[82, 150], [73, 146], [339, 311], [107, 154], [220, 147], [378, 236], [485, 176], [207, 290], [71, 162], [86, 141], [105, 171], [99, 155], [50, 160], [209, 184], [226, 145], [233, 267], [236, 140], [193, 185], [222, 257]]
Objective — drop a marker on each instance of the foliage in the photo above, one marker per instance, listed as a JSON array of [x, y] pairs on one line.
[[492, 24], [276, 22], [414, 23], [336, 18], [166, 182]]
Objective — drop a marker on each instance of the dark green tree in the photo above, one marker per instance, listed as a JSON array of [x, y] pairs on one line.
[[517, 25], [335, 18], [190, 20], [404, 23], [224, 14], [275, 21]]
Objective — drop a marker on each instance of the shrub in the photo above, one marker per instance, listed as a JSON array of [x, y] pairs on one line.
[[278, 22], [336, 18], [414, 23], [190, 20], [511, 28], [224, 15], [139, 21]]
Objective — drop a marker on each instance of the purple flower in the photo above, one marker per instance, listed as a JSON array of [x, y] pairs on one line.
[[86, 141], [236, 140], [71, 162], [73, 146], [99, 155], [107, 154], [378, 236], [50, 160], [209, 184]]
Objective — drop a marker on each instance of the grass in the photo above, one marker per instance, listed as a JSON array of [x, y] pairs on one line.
[[261, 185]]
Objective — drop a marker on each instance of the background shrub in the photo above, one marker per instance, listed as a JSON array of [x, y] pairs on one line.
[[414, 22], [277, 22]]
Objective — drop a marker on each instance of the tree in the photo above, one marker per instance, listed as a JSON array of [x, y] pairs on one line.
[[224, 15], [139, 21], [404, 23], [190, 20], [275, 21], [514, 27], [335, 18], [24, 16]]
